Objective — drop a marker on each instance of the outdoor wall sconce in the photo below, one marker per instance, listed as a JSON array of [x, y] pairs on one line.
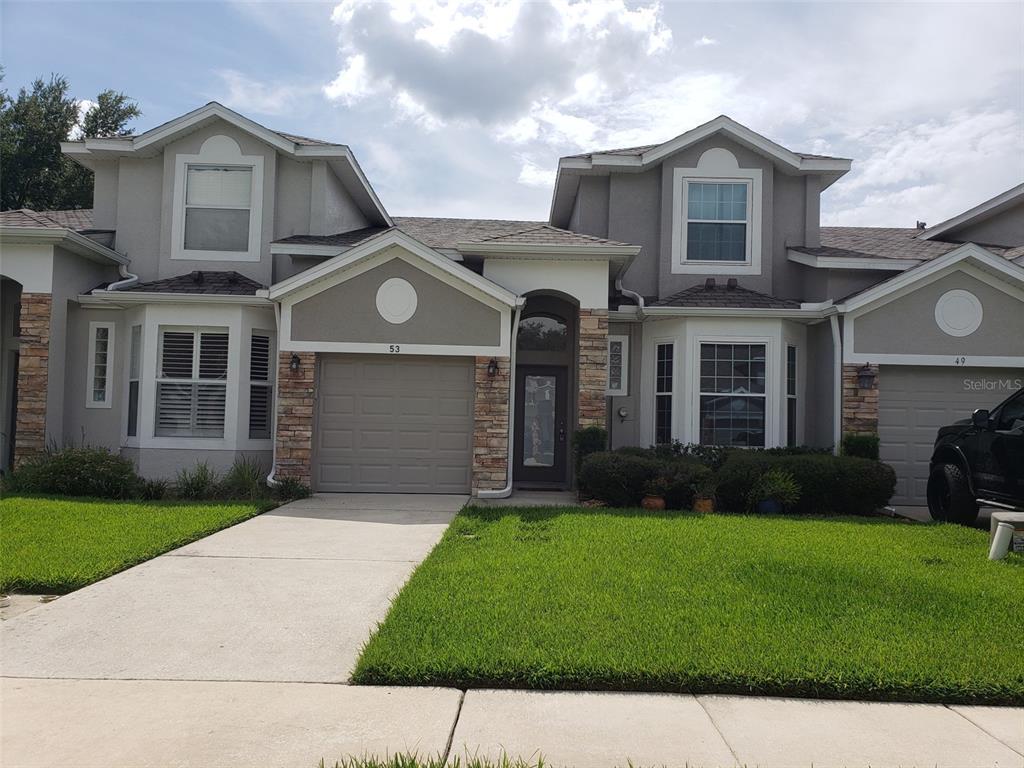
[[492, 368], [294, 365], [623, 414], [866, 377]]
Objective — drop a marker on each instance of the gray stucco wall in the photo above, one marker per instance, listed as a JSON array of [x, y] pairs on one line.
[[348, 312], [789, 227], [139, 213], [590, 212], [332, 209], [1005, 229], [104, 195], [626, 431], [818, 401], [821, 284], [292, 208], [93, 426], [634, 216], [72, 275], [907, 325]]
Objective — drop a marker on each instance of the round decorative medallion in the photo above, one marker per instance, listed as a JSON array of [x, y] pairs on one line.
[[396, 300], [958, 313]]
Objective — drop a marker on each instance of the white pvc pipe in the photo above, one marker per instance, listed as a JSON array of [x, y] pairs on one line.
[[1001, 541]]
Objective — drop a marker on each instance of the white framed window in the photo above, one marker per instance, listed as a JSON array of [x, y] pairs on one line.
[[791, 393], [716, 216], [218, 194], [732, 394], [134, 379], [101, 364], [664, 369], [618, 366], [261, 385], [191, 382]]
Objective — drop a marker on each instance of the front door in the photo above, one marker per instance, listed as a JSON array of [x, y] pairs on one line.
[[541, 454]]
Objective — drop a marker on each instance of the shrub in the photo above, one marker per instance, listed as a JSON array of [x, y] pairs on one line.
[[245, 480], [289, 489], [153, 490], [618, 478], [711, 456], [76, 472], [774, 485], [686, 477], [863, 445], [587, 441], [198, 483], [845, 485]]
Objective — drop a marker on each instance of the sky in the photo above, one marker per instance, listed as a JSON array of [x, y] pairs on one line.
[[463, 108]]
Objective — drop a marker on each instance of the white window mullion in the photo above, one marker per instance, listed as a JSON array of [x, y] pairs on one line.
[[618, 366], [100, 366]]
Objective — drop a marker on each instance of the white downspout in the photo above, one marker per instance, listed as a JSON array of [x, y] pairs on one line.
[[504, 493], [837, 385], [636, 297], [128, 279], [277, 386]]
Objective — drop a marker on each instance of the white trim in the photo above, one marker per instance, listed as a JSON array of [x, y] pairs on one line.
[[978, 313], [953, 361], [297, 249], [980, 211], [801, 313], [624, 390], [850, 262], [108, 375], [122, 298], [672, 393], [772, 403], [65, 238], [716, 165], [375, 348], [218, 150]]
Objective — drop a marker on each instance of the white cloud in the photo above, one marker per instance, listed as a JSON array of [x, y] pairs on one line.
[[84, 105], [533, 175], [248, 95], [704, 41], [352, 83]]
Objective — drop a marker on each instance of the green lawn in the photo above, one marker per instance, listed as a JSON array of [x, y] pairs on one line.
[[630, 600], [56, 545]]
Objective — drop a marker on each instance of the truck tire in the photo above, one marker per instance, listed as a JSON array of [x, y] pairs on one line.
[[949, 496]]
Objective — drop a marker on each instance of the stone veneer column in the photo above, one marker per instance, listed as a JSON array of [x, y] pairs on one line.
[[294, 432], [592, 377], [490, 425], [33, 373], [860, 406]]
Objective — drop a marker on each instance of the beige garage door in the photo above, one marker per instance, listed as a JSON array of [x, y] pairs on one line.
[[393, 424], [914, 402]]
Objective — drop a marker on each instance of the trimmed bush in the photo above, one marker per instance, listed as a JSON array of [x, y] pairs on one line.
[[200, 482], [618, 479], [844, 485], [94, 472], [587, 441], [684, 478], [865, 446]]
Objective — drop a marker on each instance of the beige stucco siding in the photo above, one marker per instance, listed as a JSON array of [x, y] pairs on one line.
[[347, 312], [907, 325]]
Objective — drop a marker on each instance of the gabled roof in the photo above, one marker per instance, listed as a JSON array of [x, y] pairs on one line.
[[61, 228], [725, 297], [77, 220], [227, 283], [446, 233], [646, 156], [151, 142], [340, 239], [546, 235], [978, 213]]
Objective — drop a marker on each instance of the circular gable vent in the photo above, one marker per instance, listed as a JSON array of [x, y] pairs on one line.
[[396, 300], [958, 313]]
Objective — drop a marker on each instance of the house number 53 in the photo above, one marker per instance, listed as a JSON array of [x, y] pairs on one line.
[[394, 348]]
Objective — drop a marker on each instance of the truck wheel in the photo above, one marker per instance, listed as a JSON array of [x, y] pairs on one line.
[[949, 496]]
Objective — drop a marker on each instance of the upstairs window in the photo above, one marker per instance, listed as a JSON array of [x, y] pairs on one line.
[[716, 221], [218, 202], [191, 388]]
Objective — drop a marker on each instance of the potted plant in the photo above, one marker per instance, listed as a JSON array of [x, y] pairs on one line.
[[774, 492], [654, 493], [704, 496]]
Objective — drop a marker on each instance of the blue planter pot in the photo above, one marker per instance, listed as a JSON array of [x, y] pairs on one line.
[[768, 507]]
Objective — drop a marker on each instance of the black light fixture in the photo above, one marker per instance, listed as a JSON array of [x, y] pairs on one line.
[[492, 368], [294, 365], [866, 377]]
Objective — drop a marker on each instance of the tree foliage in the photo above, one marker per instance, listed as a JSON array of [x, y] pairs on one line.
[[34, 172]]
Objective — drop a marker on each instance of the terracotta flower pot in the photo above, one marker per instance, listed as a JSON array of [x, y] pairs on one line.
[[703, 505], [653, 502]]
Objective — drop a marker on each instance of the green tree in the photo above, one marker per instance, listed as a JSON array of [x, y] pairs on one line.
[[33, 172]]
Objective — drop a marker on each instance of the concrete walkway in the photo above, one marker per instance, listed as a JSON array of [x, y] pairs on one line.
[[229, 652]]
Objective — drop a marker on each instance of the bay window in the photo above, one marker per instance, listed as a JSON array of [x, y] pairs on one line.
[[732, 394], [663, 382], [191, 382]]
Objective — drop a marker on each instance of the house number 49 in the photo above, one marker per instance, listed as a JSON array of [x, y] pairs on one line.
[[960, 360], [394, 348]]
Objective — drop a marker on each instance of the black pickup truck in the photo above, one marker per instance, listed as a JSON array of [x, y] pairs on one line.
[[979, 460]]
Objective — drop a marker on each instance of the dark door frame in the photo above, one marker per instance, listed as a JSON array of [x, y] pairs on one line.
[[557, 474]]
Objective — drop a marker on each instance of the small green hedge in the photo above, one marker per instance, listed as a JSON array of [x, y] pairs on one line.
[[93, 472], [618, 477], [863, 445], [842, 485]]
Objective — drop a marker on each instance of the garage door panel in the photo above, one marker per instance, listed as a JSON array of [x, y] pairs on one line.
[[394, 424], [914, 401]]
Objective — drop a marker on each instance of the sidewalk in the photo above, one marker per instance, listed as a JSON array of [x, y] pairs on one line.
[[111, 723]]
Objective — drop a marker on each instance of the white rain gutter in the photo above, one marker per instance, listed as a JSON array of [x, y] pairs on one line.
[[837, 385], [636, 297], [271, 480], [128, 279], [504, 493]]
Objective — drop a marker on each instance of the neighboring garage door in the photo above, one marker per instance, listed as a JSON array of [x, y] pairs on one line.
[[393, 424], [914, 401]]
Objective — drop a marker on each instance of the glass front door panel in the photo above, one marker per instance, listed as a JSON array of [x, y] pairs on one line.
[[539, 421]]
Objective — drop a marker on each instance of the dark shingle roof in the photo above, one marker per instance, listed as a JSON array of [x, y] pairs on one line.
[[637, 151], [341, 239], [445, 233], [725, 297], [78, 220], [545, 234], [884, 243], [214, 283]]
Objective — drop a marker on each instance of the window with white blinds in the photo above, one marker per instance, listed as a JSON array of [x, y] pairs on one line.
[[261, 388], [191, 389], [218, 202]]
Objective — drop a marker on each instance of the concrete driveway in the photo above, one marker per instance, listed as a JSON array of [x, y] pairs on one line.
[[290, 595]]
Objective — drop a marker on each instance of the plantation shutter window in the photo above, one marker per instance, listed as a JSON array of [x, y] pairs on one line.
[[261, 389], [218, 207], [101, 365], [192, 383]]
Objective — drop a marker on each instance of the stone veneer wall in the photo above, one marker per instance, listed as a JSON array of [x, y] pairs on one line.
[[490, 425], [294, 433], [33, 373], [592, 376], [860, 406]]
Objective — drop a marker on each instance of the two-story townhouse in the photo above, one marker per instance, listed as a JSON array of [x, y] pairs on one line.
[[237, 291]]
